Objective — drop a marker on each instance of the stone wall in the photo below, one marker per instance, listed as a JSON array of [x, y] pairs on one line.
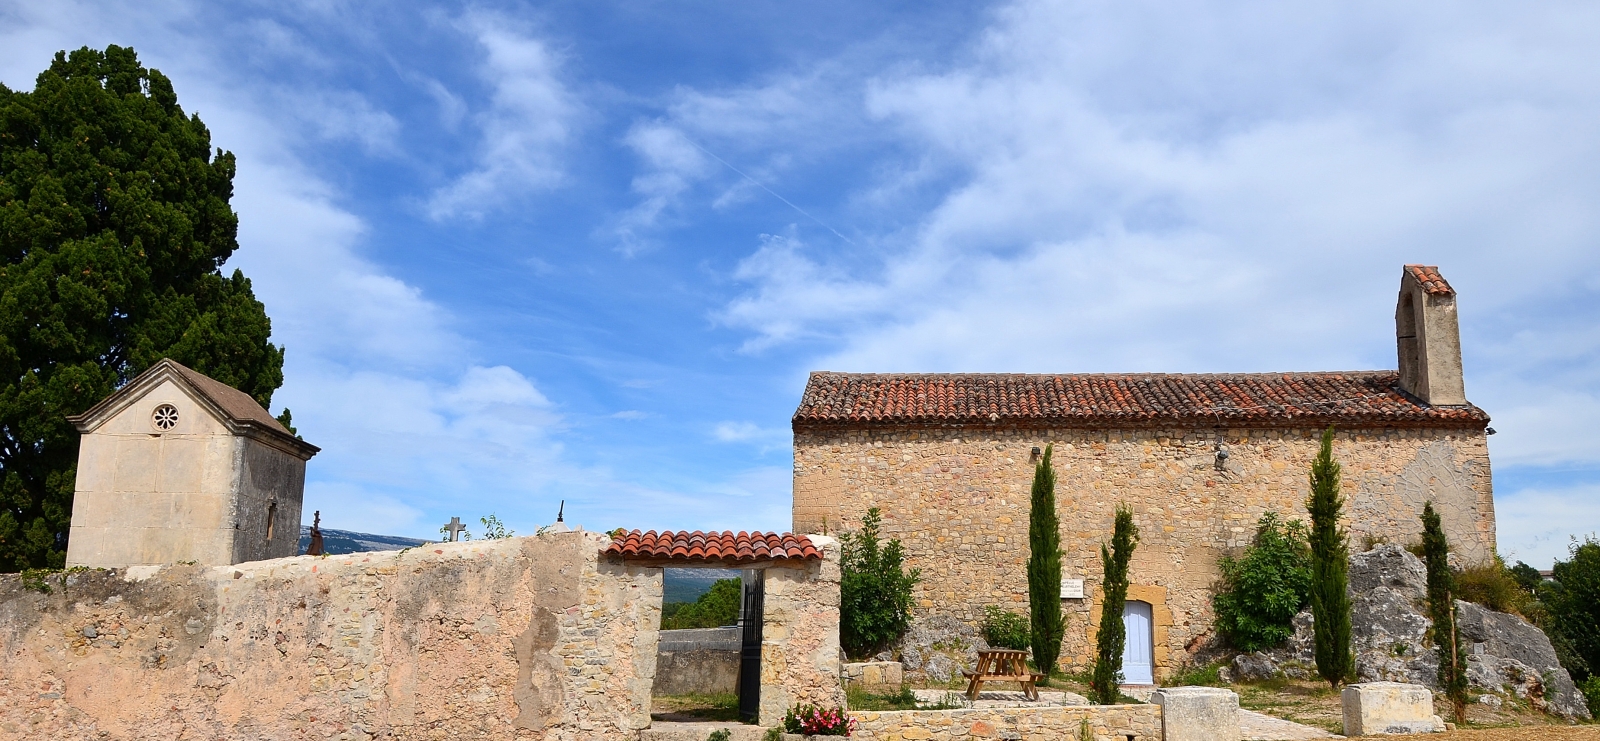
[[800, 652], [521, 638], [1107, 723], [958, 499], [697, 661]]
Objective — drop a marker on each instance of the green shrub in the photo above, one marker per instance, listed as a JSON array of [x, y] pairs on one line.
[[1494, 586], [1190, 675], [1574, 605], [1005, 629], [715, 608], [773, 734], [721, 734], [1591, 694], [874, 589], [1260, 592]]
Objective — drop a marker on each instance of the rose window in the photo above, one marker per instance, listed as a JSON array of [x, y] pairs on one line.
[[165, 417]]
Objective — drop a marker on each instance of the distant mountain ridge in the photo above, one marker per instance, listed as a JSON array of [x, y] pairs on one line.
[[339, 542]]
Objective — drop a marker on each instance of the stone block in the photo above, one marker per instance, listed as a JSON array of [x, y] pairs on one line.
[[1374, 708], [873, 673], [1198, 713]]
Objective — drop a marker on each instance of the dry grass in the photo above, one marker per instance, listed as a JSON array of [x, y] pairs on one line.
[[1527, 733]]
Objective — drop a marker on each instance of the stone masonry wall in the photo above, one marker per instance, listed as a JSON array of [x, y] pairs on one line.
[[526, 638], [1106, 723], [958, 500], [800, 652]]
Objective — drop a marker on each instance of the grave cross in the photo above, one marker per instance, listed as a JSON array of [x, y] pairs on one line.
[[454, 528]]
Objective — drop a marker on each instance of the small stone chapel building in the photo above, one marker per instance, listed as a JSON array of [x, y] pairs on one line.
[[949, 459], [176, 467]]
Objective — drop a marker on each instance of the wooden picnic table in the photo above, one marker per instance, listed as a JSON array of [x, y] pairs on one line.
[[1002, 665]]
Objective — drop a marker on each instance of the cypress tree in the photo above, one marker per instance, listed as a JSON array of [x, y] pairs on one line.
[[1330, 564], [1442, 608], [1044, 568], [1112, 635], [114, 226]]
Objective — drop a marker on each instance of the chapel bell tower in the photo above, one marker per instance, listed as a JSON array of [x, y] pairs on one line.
[[1428, 338]]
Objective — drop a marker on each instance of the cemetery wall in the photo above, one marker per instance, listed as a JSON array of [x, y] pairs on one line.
[[1106, 723], [958, 499], [526, 638]]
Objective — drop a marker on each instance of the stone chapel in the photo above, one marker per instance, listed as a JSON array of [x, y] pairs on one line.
[[179, 467], [948, 458]]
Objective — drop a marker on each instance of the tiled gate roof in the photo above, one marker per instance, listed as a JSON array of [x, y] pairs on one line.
[[1120, 399], [701, 546]]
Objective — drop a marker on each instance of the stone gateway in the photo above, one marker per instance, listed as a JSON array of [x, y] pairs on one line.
[[949, 459]]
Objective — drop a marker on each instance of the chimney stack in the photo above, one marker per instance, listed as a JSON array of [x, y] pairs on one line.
[[1428, 338]]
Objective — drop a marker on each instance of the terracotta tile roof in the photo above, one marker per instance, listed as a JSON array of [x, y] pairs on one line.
[[723, 546], [1131, 399], [1431, 280]]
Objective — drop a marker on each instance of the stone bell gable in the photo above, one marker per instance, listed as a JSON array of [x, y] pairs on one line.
[[948, 458], [179, 467]]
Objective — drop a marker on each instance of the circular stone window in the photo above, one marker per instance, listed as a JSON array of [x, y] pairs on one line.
[[165, 417]]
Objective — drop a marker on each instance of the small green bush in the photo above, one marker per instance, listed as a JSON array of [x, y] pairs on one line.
[[1204, 675], [1005, 629], [714, 609], [1494, 586], [874, 589], [1591, 694], [1261, 591], [721, 734], [773, 734]]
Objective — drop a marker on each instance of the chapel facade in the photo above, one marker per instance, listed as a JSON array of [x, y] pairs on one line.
[[177, 466], [949, 461]]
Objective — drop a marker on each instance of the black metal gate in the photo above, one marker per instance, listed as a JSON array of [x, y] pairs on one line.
[[750, 646]]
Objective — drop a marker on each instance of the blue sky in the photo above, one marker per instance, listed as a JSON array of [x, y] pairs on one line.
[[526, 252]]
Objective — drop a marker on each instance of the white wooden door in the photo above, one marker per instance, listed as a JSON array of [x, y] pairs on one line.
[[1137, 666]]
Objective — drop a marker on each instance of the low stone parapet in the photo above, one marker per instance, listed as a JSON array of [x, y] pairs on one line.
[[1198, 713], [1374, 708], [873, 673], [1105, 723]]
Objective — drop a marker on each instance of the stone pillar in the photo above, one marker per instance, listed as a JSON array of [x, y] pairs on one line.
[[1198, 713], [1388, 707], [800, 652]]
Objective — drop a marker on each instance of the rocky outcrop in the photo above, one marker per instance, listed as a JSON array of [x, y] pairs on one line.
[[1389, 621], [938, 647], [1506, 651]]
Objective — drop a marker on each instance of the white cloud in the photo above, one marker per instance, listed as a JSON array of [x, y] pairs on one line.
[[526, 128], [1536, 525]]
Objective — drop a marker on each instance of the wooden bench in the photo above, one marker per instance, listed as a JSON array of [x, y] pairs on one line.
[[1002, 665]]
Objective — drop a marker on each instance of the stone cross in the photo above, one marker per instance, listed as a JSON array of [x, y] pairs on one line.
[[454, 528]]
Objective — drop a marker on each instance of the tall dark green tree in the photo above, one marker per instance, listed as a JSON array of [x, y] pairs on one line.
[[114, 225], [1044, 567], [1112, 635], [1330, 567], [1442, 609]]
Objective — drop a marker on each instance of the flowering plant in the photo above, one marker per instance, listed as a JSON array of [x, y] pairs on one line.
[[814, 721]]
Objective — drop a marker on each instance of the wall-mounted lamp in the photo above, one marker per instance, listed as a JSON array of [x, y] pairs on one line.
[[1222, 457], [1034, 456], [1489, 430]]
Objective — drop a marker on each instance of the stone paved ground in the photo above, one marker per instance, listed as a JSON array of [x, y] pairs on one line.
[[998, 698], [1255, 726]]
